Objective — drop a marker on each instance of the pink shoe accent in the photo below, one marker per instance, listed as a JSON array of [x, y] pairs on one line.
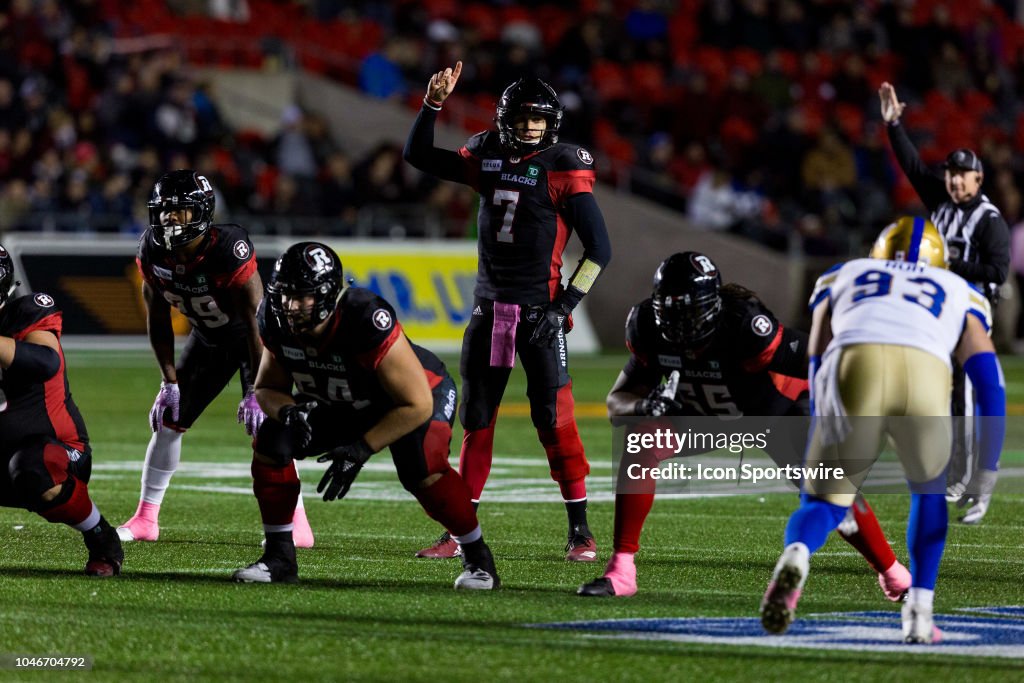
[[789, 598], [302, 534], [143, 525], [503, 335], [936, 634], [621, 571], [895, 581]]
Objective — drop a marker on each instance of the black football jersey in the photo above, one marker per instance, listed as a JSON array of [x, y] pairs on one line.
[[731, 377], [521, 232], [199, 289], [29, 408], [340, 370]]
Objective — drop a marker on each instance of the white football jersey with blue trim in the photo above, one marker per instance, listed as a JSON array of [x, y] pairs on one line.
[[894, 302]]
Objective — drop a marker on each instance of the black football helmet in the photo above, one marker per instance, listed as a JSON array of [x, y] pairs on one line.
[[7, 282], [687, 299], [528, 96], [183, 189], [306, 268]]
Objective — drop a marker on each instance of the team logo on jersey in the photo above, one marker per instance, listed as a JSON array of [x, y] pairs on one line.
[[533, 171], [761, 325], [381, 319], [44, 300], [241, 249], [491, 165], [584, 156], [294, 354], [514, 160], [162, 273]]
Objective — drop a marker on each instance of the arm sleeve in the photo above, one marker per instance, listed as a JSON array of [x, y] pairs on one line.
[[582, 212], [422, 154], [790, 357], [989, 387], [994, 250], [931, 189]]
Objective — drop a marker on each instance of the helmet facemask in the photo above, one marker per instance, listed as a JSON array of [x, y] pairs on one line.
[[687, 319], [307, 271], [526, 98], [7, 282], [180, 191]]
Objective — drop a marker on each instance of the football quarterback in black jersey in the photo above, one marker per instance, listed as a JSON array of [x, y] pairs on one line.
[[208, 273], [534, 192], [734, 358], [359, 386], [45, 458]]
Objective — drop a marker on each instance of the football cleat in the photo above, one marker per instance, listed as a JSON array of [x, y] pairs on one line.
[[105, 552], [443, 548], [580, 546], [269, 569], [600, 587], [778, 606], [978, 510], [619, 579], [895, 582], [918, 625], [955, 491], [479, 572], [142, 526]]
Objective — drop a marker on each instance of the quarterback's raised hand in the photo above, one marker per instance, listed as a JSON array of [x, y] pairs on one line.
[[250, 414], [346, 462], [892, 108], [168, 398], [295, 417], [442, 83]]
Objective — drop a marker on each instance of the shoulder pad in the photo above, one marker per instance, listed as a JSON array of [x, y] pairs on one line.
[[36, 311], [572, 158], [481, 144]]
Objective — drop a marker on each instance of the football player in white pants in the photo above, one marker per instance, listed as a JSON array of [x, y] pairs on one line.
[[883, 332]]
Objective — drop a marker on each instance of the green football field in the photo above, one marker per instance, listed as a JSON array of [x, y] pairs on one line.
[[365, 609]]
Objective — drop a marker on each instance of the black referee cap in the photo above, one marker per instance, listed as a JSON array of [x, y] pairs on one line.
[[965, 159]]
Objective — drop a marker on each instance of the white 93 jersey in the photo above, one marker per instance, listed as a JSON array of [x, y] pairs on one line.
[[895, 302]]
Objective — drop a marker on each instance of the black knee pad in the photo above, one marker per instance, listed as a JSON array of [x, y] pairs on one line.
[[274, 442]]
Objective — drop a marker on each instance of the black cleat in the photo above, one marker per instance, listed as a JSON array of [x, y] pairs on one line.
[[598, 588], [105, 552], [269, 569]]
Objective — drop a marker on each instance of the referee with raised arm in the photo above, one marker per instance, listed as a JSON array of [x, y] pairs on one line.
[[978, 244]]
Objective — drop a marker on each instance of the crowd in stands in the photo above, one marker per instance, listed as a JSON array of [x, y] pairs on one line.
[[754, 116]]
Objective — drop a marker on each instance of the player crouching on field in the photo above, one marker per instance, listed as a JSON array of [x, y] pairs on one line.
[[360, 386], [882, 334], [45, 459]]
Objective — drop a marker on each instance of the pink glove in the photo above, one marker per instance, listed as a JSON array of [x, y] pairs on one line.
[[250, 414], [168, 399]]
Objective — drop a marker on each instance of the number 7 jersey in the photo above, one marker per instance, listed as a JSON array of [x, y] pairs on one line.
[[199, 288], [874, 301]]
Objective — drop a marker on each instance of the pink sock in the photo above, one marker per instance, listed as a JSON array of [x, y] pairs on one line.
[[148, 511]]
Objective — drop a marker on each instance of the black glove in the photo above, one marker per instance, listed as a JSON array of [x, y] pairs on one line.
[[347, 461], [656, 404], [295, 417], [552, 321]]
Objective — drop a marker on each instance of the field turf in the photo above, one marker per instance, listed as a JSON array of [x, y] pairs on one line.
[[365, 609]]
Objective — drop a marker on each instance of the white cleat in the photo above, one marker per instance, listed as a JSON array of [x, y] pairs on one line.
[[977, 512], [256, 572], [474, 579], [918, 625]]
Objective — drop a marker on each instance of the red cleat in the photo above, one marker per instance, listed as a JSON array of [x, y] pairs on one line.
[[580, 547], [444, 548]]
